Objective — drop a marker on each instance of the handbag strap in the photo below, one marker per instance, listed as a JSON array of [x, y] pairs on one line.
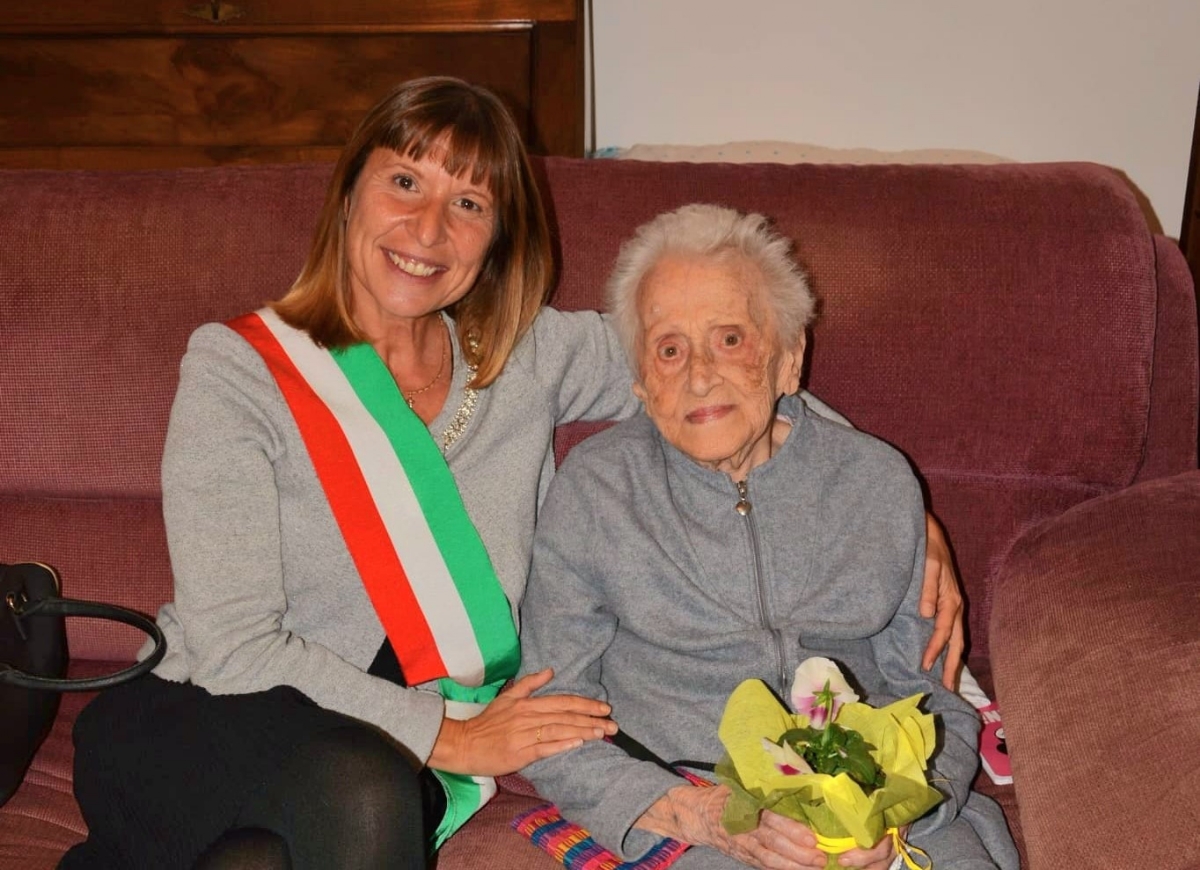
[[72, 607]]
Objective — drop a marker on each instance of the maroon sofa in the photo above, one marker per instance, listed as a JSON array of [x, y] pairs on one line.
[[1017, 330]]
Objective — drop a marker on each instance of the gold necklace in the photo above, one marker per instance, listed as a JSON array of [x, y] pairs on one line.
[[409, 396]]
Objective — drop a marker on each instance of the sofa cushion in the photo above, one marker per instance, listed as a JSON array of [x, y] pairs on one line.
[[97, 301], [42, 820], [1095, 666]]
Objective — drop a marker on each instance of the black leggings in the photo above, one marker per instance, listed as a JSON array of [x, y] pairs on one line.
[[346, 799]]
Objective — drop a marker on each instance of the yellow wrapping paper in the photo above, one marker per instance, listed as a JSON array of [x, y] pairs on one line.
[[833, 806]]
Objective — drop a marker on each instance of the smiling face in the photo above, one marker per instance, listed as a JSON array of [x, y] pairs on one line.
[[709, 361], [416, 237]]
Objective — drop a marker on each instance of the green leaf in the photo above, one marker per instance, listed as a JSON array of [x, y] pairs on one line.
[[799, 737], [833, 750]]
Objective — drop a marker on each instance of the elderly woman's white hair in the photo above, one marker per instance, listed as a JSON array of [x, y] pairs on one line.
[[710, 230]]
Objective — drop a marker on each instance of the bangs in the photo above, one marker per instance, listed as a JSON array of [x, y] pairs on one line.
[[469, 144]]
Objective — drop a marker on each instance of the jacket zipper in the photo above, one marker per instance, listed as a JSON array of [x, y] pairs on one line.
[[744, 509]]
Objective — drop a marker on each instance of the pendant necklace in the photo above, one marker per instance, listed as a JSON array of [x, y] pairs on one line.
[[408, 397]]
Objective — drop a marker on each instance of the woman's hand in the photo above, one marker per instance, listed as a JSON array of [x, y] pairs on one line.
[[515, 730], [693, 815], [942, 597]]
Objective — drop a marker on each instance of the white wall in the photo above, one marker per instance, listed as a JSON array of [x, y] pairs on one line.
[[1112, 81]]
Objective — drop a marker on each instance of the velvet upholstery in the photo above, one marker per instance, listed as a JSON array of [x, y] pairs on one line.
[[1016, 329]]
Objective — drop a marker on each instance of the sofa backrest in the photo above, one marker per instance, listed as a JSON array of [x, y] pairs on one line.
[[103, 277], [1016, 330]]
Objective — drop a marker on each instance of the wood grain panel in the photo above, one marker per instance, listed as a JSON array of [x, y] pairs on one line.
[[558, 86], [96, 15], [86, 82], [1189, 233], [223, 91], [153, 157]]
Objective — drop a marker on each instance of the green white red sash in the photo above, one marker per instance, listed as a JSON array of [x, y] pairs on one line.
[[395, 501]]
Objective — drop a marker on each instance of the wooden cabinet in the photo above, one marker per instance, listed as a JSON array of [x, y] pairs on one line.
[[1189, 234], [153, 83]]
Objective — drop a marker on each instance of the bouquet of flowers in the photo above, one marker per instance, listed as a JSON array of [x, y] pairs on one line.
[[850, 772]]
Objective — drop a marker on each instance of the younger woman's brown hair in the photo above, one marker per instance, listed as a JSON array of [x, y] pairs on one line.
[[480, 138]]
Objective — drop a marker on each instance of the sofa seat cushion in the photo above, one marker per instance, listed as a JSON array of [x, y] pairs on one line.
[[42, 820], [104, 549], [488, 842]]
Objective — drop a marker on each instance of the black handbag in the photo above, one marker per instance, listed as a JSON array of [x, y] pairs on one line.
[[33, 661]]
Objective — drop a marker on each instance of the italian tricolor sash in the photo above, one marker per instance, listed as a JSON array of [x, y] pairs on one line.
[[398, 508]]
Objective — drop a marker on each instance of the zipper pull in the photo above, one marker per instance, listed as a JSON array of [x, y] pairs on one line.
[[743, 506]]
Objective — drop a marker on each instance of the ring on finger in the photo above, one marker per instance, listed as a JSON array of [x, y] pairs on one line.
[[537, 737]]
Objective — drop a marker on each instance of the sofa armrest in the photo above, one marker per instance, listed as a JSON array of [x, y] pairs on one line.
[[1095, 650]]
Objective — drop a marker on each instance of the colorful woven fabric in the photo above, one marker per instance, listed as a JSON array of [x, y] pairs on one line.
[[573, 845]]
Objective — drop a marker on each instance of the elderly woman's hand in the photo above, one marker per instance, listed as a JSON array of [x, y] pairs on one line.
[[516, 729], [878, 857], [693, 815], [941, 597]]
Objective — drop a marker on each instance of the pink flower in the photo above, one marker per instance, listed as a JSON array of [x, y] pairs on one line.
[[819, 690], [787, 760]]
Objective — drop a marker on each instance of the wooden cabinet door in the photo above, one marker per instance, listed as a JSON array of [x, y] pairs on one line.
[[1189, 234], [108, 84]]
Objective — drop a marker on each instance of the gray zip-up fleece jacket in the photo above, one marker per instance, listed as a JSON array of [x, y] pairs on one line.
[[650, 591]]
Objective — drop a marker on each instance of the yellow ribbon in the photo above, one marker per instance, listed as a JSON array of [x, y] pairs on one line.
[[908, 852]]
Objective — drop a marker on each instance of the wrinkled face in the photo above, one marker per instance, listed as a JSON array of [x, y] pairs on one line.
[[416, 237], [710, 366]]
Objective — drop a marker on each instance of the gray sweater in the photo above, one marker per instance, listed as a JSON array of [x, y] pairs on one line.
[[650, 591], [265, 590]]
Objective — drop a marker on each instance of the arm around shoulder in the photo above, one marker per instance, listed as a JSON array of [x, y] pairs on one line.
[[583, 366]]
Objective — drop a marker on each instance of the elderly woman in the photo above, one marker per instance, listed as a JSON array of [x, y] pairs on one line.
[[730, 534], [350, 481]]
